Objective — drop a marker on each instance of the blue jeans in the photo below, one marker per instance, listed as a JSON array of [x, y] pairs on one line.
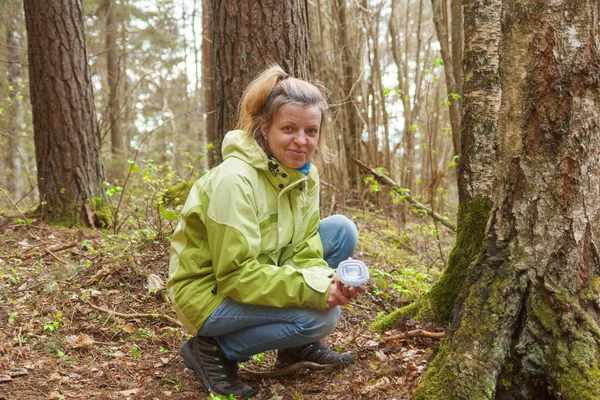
[[245, 329]]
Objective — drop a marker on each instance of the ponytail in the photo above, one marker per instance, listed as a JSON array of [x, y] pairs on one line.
[[267, 93], [256, 95]]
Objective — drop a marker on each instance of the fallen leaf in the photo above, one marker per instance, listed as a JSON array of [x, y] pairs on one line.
[[381, 355], [55, 377], [56, 396], [5, 378], [129, 329], [130, 392], [81, 341], [155, 284]]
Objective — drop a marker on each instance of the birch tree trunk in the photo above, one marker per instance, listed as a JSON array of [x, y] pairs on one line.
[[249, 36], [67, 140], [527, 321]]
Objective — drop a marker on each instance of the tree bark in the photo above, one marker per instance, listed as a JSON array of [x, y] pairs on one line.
[[67, 140], [208, 84], [15, 111], [113, 77], [442, 35], [248, 37], [353, 129], [528, 324]]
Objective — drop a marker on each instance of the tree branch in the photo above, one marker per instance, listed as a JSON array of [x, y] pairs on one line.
[[395, 187]]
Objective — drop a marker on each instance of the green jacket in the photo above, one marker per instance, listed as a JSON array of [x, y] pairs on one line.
[[248, 231]]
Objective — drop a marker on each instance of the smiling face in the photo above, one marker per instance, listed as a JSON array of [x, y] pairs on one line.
[[294, 134]]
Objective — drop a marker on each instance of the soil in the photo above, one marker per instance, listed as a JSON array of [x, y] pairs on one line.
[[56, 343]]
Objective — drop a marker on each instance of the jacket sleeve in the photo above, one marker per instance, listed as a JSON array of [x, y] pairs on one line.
[[234, 241]]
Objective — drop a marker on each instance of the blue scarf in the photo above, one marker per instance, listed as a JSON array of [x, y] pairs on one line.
[[305, 168]]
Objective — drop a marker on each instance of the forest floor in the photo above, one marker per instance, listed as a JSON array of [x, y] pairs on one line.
[[77, 320]]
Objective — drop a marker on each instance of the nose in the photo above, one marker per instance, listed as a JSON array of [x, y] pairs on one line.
[[300, 137]]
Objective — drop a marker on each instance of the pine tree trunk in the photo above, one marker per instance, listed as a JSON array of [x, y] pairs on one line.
[[112, 64], [353, 130], [528, 327], [248, 37], [208, 83], [67, 140], [15, 111]]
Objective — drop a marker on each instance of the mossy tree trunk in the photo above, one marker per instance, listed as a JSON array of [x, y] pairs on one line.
[[248, 36], [526, 324], [67, 140], [477, 168]]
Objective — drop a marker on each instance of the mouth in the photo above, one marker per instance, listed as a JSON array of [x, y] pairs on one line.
[[296, 152]]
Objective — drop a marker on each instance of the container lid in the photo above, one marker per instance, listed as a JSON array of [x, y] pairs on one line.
[[353, 272]]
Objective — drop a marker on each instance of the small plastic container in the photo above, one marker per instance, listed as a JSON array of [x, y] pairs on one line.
[[353, 272]]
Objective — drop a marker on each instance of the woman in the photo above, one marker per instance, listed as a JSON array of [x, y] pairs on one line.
[[252, 266]]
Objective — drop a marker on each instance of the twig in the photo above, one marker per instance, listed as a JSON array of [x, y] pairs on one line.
[[129, 316], [395, 187], [416, 333], [286, 371], [20, 212]]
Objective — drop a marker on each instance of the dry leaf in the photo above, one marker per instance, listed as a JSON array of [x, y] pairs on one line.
[[129, 329], [5, 378], [56, 396], [55, 377], [81, 341], [130, 392], [155, 284]]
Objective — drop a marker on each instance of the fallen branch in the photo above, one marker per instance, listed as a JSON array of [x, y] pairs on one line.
[[286, 371], [130, 316], [396, 188], [416, 333], [49, 250]]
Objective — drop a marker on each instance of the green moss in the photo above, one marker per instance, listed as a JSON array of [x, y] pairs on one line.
[[391, 320], [436, 306]]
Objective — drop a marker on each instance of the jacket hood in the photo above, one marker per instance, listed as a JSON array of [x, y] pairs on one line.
[[237, 144]]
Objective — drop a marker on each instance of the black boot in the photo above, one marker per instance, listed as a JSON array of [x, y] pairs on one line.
[[217, 373], [316, 352]]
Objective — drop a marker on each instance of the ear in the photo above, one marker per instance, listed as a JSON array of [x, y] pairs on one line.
[[264, 129]]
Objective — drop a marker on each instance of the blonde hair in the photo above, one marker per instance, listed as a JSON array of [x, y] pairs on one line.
[[270, 91]]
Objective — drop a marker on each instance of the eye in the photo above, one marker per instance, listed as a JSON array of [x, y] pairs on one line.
[[287, 128], [312, 131]]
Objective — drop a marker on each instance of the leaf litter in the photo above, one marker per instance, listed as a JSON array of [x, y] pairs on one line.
[[55, 342]]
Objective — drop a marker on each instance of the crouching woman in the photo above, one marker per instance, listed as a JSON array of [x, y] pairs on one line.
[[252, 264]]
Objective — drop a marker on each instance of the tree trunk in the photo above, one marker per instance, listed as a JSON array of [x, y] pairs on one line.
[[442, 34], [14, 118], [353, 129], [114, 103], [528, 327], [208, 84], [248, 37], [67, 140]]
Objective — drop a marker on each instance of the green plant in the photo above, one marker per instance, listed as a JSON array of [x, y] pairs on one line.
[[135, 352], [259, 358], [12, 316]]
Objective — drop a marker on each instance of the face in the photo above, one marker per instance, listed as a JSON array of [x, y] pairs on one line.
[[294, 134]]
